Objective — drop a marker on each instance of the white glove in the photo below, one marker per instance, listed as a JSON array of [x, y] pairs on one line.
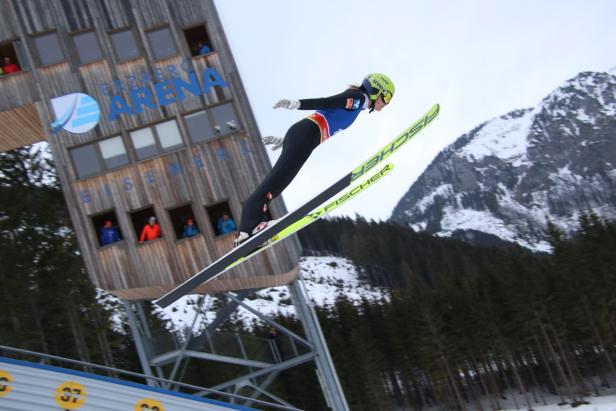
[[276, 142], [288, 104]]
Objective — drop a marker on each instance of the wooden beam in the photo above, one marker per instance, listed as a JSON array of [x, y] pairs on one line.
[[21, 126], [222, 284]]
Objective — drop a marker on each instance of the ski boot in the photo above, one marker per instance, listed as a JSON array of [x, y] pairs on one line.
[[240, 238], [262, 226]]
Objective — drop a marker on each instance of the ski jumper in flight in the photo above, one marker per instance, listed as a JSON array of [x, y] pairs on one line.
[[332, 115]]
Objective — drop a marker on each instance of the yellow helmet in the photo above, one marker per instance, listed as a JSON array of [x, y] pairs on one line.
[[377, 85]]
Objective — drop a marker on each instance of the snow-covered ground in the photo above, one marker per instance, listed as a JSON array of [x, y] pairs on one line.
[[325, 279], [602, 403], [515, 402]]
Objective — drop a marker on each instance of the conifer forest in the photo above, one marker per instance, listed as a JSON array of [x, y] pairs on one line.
[[465, 327]]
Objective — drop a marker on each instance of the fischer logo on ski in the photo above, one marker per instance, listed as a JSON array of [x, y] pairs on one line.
[[356, 190], [315, 215], [398, 142]]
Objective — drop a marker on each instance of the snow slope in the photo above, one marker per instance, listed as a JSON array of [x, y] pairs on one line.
[[325, 279]]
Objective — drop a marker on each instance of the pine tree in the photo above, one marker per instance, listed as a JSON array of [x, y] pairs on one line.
[[52, 306]]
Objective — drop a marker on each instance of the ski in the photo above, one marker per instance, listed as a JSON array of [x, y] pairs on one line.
[[289, 219], [313, 216]]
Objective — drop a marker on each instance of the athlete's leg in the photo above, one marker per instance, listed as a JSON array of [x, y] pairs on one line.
[[299, 142]]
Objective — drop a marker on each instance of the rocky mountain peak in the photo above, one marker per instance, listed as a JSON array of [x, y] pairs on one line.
[[510, 175]]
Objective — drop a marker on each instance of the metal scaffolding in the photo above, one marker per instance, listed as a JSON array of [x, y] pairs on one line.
[[263, 358]]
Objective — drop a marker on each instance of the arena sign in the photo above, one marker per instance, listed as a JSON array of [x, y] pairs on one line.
[[130, 96]]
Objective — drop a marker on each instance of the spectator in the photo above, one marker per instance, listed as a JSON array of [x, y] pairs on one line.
[[109, 233], [9, 67], [226, 224], [190, 229], [1, 72], [275, 344], [151, 231], [203, 49]]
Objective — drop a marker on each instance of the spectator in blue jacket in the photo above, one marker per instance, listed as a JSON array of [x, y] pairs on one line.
[[190, 229], [109, 233], [203, 49], [226, 224]]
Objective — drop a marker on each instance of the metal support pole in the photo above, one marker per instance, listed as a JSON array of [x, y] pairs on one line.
[[187, 338], [262, 389], [229, 308], [330, 383], [145, 329], [268, 394], [139, 344], [275, 368], [271, 322]]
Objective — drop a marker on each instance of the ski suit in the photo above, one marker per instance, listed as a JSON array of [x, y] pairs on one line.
[[332, 115]]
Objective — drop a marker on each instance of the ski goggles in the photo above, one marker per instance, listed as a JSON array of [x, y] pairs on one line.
[[386, 96]]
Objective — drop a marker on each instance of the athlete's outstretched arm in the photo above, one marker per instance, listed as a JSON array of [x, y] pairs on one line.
[[351, 99]]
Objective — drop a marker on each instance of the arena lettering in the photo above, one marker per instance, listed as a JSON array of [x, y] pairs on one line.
[[166, 91]]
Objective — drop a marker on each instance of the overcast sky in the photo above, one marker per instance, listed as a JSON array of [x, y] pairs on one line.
[[478, 59]]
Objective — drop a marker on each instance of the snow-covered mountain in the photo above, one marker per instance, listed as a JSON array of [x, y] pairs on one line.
[[511, 174], [325, 278]]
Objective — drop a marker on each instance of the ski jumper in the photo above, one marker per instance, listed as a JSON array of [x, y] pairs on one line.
[[333, 114]]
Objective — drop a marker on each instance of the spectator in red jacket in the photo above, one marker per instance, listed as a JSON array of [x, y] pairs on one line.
[[151, 231], [9, 67]]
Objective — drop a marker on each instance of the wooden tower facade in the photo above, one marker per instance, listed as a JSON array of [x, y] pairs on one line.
[[146, 116]]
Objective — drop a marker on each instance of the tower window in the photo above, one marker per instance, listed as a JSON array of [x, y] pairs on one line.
[[49, 49], [225, 120], [94, 158], [86, 160], [199, 127], [146, 225], [184, 223], [221, 218], [144, 143], [125, 45], [87, 47], [150, 141], [113, 152], [169, 135], [162, 44], [198, 41], [9, 63], [107, 228]]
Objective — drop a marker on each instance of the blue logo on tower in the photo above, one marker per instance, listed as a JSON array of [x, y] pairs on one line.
[[75, 113]]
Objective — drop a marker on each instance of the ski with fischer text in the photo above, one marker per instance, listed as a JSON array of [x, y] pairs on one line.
[[314, 216], [256, 241]]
